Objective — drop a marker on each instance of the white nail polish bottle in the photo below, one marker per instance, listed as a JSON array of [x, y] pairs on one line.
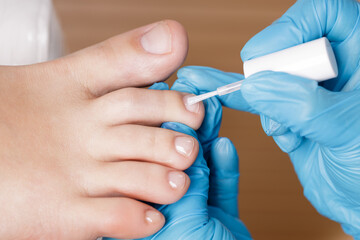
[[313, 60]]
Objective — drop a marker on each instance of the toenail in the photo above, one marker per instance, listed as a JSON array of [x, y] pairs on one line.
[[153, 216], [191, 107], [184, 145], [177, 179], [158, 39]]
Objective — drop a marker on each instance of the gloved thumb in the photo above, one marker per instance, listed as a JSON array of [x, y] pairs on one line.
[[224, 176], [206, 79], [307, 109]]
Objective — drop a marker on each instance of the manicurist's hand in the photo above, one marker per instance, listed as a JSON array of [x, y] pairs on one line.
[[209, 210], [319, 126]]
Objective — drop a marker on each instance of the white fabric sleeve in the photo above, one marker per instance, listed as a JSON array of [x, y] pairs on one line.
[[29, 32]]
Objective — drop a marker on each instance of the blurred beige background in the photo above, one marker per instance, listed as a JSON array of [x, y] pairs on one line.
[[271, 201]]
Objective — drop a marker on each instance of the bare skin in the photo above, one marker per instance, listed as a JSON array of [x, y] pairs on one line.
[[80, 145]]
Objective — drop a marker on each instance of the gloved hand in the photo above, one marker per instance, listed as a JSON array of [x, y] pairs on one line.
[[206, 213], [319, 126], [223, 163]]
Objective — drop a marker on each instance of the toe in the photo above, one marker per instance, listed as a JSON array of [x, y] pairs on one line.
[[139, 180], [137, 58], [149, 144], [147, 107], [119, 218]]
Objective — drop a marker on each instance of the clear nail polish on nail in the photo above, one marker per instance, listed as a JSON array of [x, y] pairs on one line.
[[184, 145]]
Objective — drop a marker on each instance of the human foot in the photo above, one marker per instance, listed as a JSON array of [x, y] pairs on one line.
[[78, 144]]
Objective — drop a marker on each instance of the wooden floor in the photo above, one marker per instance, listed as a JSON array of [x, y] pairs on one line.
[[271, 201]]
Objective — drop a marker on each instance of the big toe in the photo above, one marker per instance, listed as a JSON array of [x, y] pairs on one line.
[[139, 57]]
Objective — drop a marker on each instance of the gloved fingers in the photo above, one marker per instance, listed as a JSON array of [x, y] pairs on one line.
[[224, 176], [288, 142], [235, 225], [205, 79], [308, 20], [308, 110], [271, 127], [188, 218], [210, 127], [284, 138], [354, 81], [303, 22], [200, 78]]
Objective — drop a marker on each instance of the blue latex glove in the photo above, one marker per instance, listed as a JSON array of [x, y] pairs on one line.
[[206, 212], [319, 126], [338, 20]]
